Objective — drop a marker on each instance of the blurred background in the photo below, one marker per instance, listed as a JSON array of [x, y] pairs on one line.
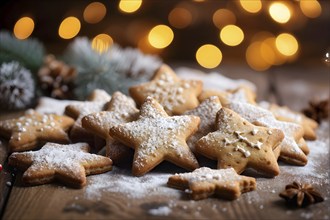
[[209, 33]]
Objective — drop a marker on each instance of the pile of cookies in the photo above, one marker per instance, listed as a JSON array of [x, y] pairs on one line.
[[166, 119]]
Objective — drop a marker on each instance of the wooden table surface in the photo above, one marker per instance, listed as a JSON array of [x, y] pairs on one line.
[[119, 195]]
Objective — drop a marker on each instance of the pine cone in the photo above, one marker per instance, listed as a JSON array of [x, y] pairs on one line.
[[56, 78], [17, 88]]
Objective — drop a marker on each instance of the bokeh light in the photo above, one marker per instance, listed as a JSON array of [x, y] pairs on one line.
[[209, 56], [310, 8], [231, 35], [129, 6], [101, 42], [287, 44], [279, 12], [274, 57], [94, 12], [23, 28], [251, 6], [180, 17], [254, 57], [160, 36], [223, 17], [69, 28]]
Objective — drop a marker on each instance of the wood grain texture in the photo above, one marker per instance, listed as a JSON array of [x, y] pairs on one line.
[[6, 177]]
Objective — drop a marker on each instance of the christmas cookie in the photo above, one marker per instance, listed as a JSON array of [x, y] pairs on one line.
[[96, 102], [207, 112], [174, 94], [65, 163], [283, 113], [239, 144], [290, 151], [156, 137], [121, 109], [48, 105], [240, 94], [29, 131], [205, 182]]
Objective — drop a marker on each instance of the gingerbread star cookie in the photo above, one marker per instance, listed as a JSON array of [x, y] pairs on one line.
[[239, 144], [32, 129], [121, 109], [283, 113], [66, 163], [207, 112], [96, 102], [205, 182], [174, 94], [156, 137], [290, 151]]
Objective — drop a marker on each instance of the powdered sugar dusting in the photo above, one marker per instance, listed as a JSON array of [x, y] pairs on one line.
[[53, 156], [207, 112], [206, 174], [160, 211], [122, 181], [169, 90]]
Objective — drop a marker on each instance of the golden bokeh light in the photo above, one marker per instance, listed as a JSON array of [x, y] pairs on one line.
[[129, 6], [310, 8], [23, 28], [209, 56], [180, 17], [223, 17], [279, 12], [69, 28], [274, 57], [145, 46], [287, 44], [254, 57], [231, 35], [94, 12], [160, 36], [101, 42], [267, 53], [251, 6]]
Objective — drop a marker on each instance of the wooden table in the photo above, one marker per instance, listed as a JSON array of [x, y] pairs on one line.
[[118, 195]]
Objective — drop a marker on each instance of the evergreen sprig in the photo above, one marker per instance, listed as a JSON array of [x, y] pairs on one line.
[[109, 70], [29, 52]]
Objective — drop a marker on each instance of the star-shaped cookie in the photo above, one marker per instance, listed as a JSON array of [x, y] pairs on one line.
[[207, 112], [205, 182], [283, 113], [290, 150], [66, 163], [174, 94], [239, 144], [121, 109], [156, 137], [32, 129], [96, 102]]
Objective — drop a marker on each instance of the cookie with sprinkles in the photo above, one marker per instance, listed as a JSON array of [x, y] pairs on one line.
[[239, 144], [174, 94], [32, 129], [156, 137], [205, 182], [290, 149], [121, 109], [68, 164]]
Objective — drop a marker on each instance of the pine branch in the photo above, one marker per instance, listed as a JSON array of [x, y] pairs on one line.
[[113, 70], [29, 52]]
